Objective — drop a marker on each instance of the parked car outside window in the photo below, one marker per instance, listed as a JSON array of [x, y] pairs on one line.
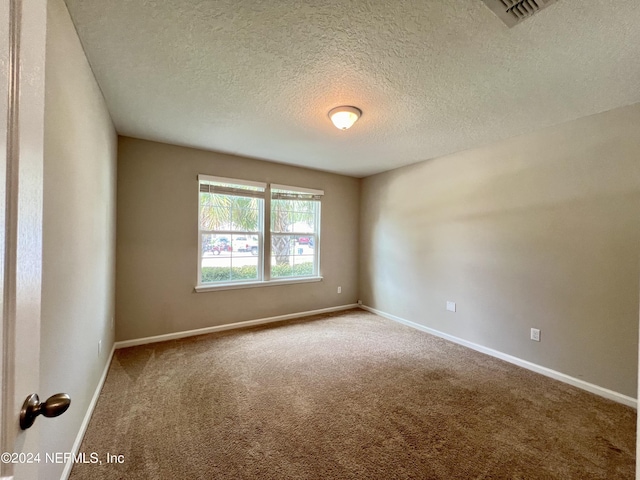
[[245, 244]]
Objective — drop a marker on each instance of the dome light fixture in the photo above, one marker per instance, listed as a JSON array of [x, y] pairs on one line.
[[344, 117]]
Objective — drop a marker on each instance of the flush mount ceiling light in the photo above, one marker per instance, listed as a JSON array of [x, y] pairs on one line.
[[344, 117]]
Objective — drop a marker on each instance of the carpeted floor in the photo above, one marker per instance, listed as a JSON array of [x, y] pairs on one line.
[[346, 396]]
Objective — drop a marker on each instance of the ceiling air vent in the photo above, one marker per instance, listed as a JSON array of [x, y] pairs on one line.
[[512, 12]]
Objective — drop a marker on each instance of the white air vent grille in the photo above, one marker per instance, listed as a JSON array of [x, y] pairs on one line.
[[512, 12]]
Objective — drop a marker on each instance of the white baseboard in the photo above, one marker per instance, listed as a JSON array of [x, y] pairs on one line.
[[87, 418], [576, 382], [228, 326]]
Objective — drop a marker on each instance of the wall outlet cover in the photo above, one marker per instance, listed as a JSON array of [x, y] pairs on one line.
[[535, 334], [451, 306]]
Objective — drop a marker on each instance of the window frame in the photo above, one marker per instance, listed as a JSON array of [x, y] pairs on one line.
[[264, 237]]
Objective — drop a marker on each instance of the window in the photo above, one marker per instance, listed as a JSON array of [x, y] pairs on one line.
[[236, 248], [295, 215], [231, 224]]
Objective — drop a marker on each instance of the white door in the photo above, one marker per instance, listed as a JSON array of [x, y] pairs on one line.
[[22, 61]]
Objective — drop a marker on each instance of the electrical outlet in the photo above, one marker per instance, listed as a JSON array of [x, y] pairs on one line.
[[359, 302], [451, 306], [339, 289], [535, 334], [99, 347]]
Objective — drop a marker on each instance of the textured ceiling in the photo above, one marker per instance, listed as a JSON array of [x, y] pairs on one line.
[[257, 78]]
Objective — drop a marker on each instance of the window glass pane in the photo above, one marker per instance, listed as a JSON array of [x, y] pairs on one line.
[[215, 268], [244, 257], [305, 244], [230, 212], [205, 198], [279, 218], [281, 270], [215, 218], [293, 216], [245, 245], [227, 258], [215, 245], [244, 213], [305, 219], [292, 256], [244, 268], [281, 247], [221, 264]]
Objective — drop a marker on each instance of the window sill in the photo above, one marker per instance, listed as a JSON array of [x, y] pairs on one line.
[[270, 283]]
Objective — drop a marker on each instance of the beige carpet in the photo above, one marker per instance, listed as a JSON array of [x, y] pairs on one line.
[[346, 396]]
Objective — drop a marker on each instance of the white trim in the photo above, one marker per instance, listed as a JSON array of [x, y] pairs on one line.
[[262, 283], [228, 326], [576, 382], [246, 183], [317, 241], [638, 429], [87, 417], [288, 188], [9, 180]]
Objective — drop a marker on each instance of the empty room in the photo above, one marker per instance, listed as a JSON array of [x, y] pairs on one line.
[[320, 240]]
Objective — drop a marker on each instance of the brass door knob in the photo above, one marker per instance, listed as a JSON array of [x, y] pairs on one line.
[[32, 407]]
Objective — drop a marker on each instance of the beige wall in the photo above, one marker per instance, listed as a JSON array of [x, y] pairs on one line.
[[78, 234], [541, 230], [157, 242]]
